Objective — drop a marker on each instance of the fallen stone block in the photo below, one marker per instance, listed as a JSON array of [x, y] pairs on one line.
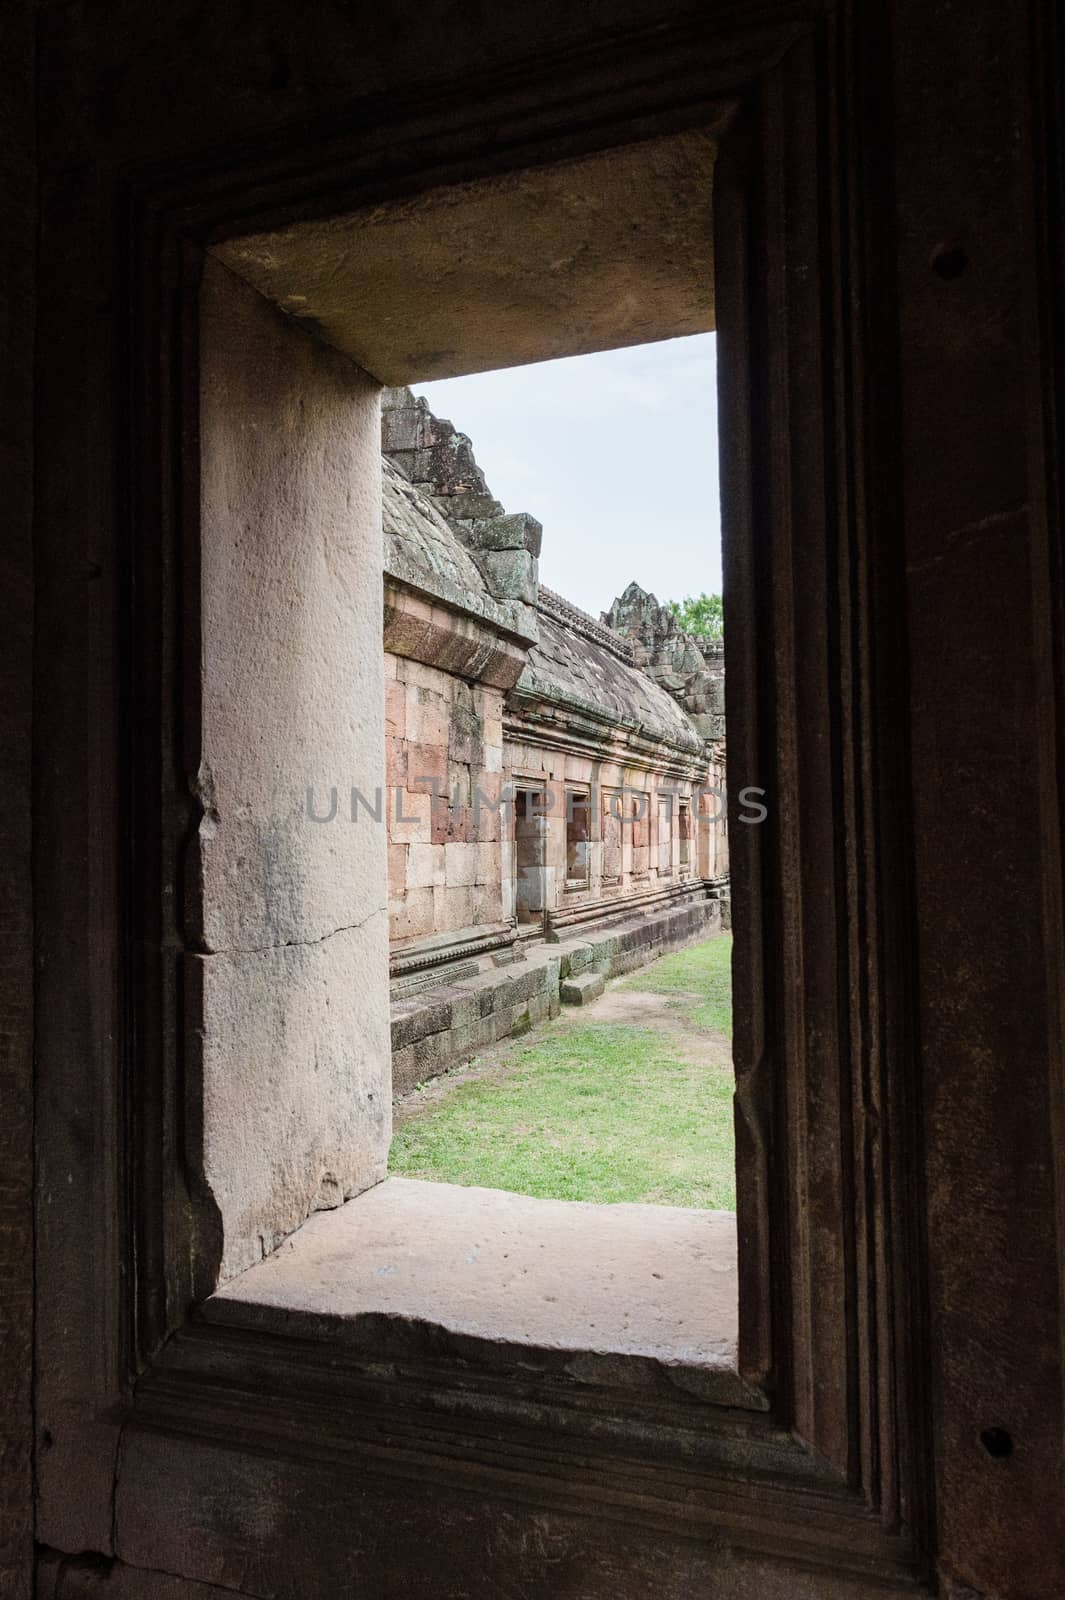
[[582, 989]]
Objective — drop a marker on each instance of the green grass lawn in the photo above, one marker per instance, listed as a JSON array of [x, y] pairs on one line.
[[601, 1111], [703, 971]]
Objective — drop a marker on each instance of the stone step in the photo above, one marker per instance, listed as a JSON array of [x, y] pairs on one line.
[[576, 957], [581, 989]]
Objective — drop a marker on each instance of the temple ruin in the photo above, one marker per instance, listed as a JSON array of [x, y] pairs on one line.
[[556, 784]]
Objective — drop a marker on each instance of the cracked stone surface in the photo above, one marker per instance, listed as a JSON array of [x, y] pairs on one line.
[[410, 1265], [287, 965], [293, 692], [296, 1113]]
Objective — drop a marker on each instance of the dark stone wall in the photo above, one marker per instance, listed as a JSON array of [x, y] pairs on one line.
[[134, 83], [969, 495], [17, 184], [123, 85]]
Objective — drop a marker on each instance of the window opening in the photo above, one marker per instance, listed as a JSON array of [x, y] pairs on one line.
[[578, 838], [665, 835], [612, 833], [538, 700], [529, 836]]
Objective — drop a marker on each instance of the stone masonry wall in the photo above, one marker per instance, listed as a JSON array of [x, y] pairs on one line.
[[475, 646], [624, 811], [444, 755]]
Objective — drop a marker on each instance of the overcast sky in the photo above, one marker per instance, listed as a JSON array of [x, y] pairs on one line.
[[616, 454]]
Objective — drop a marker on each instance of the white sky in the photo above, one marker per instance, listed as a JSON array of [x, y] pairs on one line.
[[616, 454]]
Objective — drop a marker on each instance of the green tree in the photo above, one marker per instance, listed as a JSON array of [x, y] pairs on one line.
[[702, 615]]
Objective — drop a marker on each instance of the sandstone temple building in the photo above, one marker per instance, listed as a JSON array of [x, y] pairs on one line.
[[555, 784]]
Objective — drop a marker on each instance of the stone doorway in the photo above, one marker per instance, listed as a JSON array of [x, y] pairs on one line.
[[529, 840]]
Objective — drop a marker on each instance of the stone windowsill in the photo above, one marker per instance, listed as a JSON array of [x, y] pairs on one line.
[[631, 1294]]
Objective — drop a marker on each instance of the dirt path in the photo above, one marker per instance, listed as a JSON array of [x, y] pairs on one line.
[[620, 1005]]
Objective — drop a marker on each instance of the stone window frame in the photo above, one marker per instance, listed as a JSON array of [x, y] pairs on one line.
[[684, 836], [827, 1461], [608, 796], [526, 790], [664, 800], [577, 797], [640, 811]]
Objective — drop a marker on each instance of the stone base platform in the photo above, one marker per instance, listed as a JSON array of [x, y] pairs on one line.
[[582, 989], [504, 996], [636, 1294]]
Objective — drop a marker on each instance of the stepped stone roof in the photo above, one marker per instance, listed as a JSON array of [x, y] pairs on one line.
[[422, 549], [577, 664]]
